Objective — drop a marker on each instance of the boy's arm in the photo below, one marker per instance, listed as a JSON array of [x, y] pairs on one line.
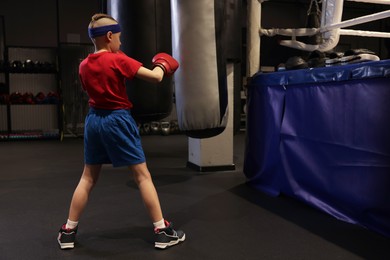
[[153, 76]]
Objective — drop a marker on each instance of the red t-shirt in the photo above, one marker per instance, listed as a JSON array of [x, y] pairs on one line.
[[103, 77]]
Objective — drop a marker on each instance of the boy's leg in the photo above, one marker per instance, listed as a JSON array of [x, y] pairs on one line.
[[67, 235], [166, 236], [80, 197], [148, 192]]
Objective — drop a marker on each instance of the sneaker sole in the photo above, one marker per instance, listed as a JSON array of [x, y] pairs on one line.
[[65, 245], [172, 243]]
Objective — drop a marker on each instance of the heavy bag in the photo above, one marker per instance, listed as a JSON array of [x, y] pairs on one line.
[[200, 82], [146, 31], [314, 21]]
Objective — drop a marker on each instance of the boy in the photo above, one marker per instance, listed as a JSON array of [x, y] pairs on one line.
[[111, 134]]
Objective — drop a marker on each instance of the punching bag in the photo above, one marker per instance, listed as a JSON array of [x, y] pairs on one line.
[[200, 82], [146, 30], [314, 21]]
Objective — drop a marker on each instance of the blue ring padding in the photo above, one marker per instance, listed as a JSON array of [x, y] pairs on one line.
[[368, 69]]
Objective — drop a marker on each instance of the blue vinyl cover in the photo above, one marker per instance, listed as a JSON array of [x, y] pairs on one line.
[[322, 136]]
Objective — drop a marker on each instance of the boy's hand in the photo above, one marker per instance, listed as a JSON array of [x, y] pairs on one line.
[[165, 61]]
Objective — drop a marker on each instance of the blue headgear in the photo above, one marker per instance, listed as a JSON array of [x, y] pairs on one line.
[[102, 30]]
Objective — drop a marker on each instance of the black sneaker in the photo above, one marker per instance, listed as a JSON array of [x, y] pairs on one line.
[[167, 236], [66, 237]]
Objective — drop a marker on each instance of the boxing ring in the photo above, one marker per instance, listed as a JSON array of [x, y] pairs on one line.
[[331, 26], [322, 136]]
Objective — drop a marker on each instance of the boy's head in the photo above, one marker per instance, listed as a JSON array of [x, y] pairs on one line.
[[104, 30]]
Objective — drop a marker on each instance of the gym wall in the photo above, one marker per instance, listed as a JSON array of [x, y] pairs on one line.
[[34, 23]]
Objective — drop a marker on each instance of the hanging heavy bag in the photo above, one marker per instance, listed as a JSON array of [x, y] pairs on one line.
[[200, 83], [314, 21], [146, 30]]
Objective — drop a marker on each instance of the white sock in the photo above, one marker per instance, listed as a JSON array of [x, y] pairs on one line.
[[71, 224], [159, 224]]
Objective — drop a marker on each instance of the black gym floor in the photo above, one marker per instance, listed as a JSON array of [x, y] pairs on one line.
[[223, 218]]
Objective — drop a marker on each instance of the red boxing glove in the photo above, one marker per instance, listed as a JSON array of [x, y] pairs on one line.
[[165, 61]]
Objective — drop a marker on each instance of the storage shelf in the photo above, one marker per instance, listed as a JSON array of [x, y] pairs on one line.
[[28, 136], [32, 110]]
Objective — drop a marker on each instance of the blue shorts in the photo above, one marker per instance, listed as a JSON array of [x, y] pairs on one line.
[[112, 137]]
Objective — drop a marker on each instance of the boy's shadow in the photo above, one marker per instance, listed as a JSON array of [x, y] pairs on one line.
[[110, 242]]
